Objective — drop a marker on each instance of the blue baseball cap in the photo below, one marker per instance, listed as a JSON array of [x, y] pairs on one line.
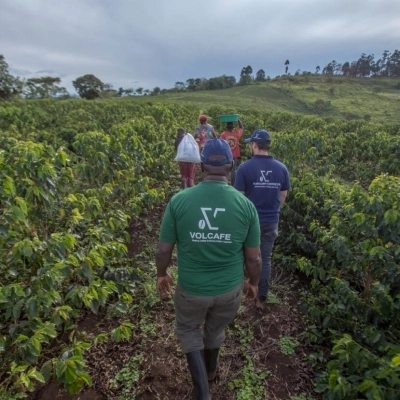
[[216, 152], [259, 136]]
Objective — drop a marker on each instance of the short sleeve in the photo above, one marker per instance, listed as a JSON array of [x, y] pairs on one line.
[[240, 183], [253, 235], [286, 183], [168, 226]]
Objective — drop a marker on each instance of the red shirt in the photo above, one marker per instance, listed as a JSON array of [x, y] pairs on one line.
[[233, 139]]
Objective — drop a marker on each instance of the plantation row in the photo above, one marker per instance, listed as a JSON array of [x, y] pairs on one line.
[[73, 173]]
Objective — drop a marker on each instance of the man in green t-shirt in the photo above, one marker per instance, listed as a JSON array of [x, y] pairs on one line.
[[217, 231]]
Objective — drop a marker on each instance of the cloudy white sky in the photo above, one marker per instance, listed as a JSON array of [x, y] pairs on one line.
[[148, 43]]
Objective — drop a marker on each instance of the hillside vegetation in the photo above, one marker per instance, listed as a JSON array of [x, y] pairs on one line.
[[373, 99], [77, 180]]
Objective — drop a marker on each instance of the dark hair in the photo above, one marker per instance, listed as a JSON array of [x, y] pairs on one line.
[[263, 146], [181, 130]]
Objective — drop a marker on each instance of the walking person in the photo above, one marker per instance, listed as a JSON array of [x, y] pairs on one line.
[[187, 169], [265, 181], [212, 248], [232, 136], [204, 132]]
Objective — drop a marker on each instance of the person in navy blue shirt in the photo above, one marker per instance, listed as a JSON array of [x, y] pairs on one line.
[[265, 181]]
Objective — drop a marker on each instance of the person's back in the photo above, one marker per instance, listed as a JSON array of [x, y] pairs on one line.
[[217, 232], [265, 181], [212, 225], [262, 178], [232, 136], [204, 132]]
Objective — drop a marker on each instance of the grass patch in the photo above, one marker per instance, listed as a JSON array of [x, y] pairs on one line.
[[332, 96]]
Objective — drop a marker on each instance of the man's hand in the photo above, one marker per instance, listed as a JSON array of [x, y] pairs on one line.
[[163, 284], [250, 291]]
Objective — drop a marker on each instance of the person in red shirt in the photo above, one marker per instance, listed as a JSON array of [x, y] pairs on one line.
[[232, 136]]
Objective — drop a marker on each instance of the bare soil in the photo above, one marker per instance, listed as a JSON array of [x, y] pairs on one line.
[[163, 369]]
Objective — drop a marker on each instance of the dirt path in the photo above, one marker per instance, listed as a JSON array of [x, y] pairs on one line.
[[151, 365]]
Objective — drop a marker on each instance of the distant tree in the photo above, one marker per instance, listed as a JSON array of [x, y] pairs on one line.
[[394, 68], [328, 69], [346, 69], [10, 86], [108, 91], [46, 86], [156, 91], [88, 86], [286, 66], [364, 65], [245, 80], [221, 82], [260, 76], [125, 92], [245, 76], [190, 84], [180, 86], [139, 91], [230, 80], [317, 69], [146, 92]]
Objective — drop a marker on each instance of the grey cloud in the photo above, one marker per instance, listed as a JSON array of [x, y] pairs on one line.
[[156, 43]]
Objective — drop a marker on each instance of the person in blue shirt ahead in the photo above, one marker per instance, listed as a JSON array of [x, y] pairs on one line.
[[264, 181]]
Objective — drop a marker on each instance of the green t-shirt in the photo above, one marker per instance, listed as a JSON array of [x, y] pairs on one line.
[[211, 223]]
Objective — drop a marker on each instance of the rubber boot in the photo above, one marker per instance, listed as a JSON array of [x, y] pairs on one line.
[[183, 185], [199, 375], [211, 362]]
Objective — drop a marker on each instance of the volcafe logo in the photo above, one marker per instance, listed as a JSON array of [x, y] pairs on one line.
[[264, 174], [208, 221], [203, 222]]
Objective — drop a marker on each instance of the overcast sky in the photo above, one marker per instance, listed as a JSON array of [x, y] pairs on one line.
[[148, 43]]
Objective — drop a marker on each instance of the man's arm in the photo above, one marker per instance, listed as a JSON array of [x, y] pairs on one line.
[[163, 259], [282, 196], [252, 256]]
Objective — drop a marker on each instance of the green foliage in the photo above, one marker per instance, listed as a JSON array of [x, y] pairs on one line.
[[63, 221], [301, 397], [272, 299], [70, 369], [251, 384], [127, 377], [73, 173], [288, 345], [88, 86], [43, 87], [10, 86], [355, 371]]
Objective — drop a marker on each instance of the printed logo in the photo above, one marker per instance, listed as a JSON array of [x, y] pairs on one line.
[[208, 224], [203, 222], [264, 174]]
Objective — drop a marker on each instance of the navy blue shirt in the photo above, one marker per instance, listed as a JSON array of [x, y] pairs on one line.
[[262, 178]]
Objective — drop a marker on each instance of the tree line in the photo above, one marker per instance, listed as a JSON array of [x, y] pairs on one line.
[[90, 87]]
